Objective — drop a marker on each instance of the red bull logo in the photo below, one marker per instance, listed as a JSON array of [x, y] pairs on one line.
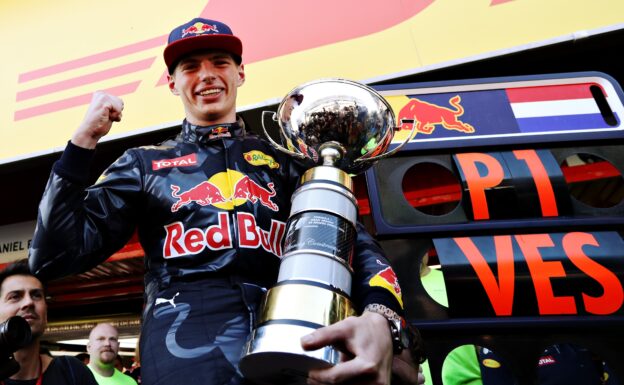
[[204, 194], [247, 189], [304, 149], [181, 241], [199, 28], [427, 116], [225, 190], [219, 132], [389, 281]]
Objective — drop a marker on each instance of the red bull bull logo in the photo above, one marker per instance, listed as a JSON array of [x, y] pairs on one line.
[[308, 152], [199, 28], [225, 190], [427, 116], [204, 194], [389, 281], [247, 189]]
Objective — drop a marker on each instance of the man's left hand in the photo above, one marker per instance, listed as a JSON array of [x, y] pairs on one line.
[[366, 346]]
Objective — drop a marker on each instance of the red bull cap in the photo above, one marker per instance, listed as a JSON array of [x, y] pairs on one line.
[[200, 34]]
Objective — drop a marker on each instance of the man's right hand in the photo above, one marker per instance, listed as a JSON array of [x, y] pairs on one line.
[[103, 111]]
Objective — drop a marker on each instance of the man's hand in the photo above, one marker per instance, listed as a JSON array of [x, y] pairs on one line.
[[103, 111], [366, 345]]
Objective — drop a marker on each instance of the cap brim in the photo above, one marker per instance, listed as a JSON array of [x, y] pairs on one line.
[[176, 50]]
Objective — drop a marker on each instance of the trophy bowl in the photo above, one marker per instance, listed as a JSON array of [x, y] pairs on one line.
[[348, 116]]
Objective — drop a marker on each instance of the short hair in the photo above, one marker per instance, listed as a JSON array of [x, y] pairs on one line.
[[18, 268]]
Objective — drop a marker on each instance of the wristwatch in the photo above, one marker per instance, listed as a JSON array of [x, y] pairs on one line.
[[401, 338]]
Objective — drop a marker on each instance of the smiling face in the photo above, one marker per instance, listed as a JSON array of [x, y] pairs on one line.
[[207, 83], [23, 295], [103, 345]]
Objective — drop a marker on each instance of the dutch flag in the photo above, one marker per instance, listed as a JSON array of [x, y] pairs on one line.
[[570, 107]]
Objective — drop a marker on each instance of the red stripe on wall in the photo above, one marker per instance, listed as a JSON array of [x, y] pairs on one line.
[[546, 93], [86, 79], [326, 22], [92, 59], [71, 102], [163, 79], [273, 28]]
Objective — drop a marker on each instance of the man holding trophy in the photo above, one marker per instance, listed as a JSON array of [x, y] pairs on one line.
[[211, 208]]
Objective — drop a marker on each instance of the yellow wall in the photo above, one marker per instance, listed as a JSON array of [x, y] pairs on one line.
[[38, 34]]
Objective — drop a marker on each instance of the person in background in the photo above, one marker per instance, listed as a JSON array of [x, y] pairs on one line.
[[22, 294], [103, 348]]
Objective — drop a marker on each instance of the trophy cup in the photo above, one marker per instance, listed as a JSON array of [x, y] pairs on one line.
[[337, 127]]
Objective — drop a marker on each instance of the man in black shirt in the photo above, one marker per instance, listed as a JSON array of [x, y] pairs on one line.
[[22, 294]]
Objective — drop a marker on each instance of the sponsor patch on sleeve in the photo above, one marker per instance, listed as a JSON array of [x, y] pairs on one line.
[[389, 281]]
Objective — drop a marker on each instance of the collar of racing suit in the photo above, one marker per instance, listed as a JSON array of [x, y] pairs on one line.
[[202, 134]]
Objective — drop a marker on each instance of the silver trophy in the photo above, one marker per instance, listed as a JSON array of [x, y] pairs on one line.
[[338, 127]]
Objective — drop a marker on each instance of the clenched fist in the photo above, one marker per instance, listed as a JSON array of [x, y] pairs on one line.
[[102, 112]]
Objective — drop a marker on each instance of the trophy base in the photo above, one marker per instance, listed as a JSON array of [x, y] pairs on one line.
[[274, 355]]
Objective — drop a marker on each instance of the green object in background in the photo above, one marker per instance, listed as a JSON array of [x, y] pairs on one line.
[[370, 145], [461, 367]]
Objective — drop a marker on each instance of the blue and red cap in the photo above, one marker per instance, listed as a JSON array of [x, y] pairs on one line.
[[200, 34]]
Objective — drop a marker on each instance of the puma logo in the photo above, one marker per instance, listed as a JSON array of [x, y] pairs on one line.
[[165, 300]]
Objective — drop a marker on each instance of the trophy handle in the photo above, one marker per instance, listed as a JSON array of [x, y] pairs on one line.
[[274, 143], [394, 150]]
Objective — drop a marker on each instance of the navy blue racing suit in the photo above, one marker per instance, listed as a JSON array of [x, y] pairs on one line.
[[210, 208]]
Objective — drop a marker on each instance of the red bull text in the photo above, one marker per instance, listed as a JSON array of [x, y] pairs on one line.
[[180, 241]]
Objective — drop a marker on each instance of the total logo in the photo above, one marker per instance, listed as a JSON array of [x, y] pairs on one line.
[[546, 360], [225, 190]]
